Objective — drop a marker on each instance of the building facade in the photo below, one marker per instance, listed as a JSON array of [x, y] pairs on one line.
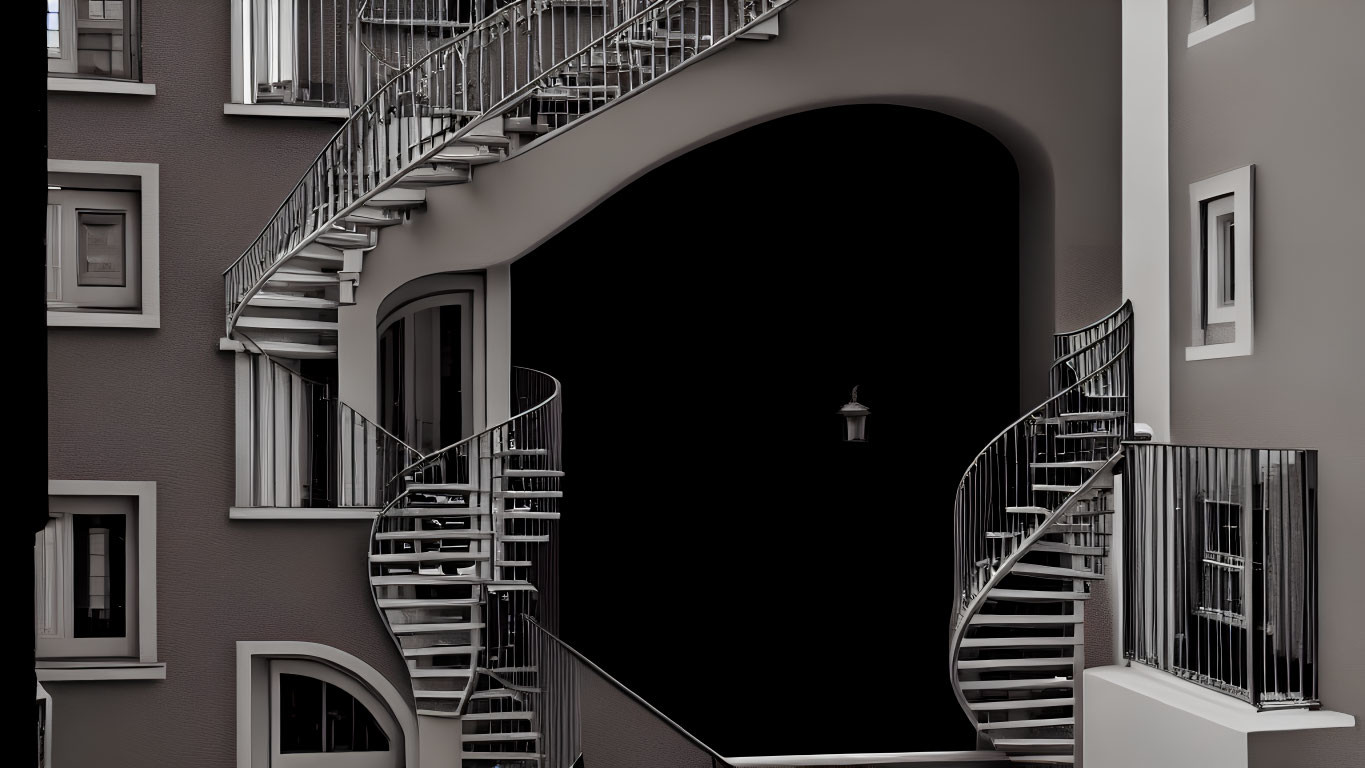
[[304, 510]]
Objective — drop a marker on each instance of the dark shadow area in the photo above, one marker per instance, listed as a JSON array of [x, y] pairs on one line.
[[770, 587]]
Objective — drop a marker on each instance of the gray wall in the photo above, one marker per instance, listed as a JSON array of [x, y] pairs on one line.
[[1285, 93], [1042, 77], [158, 405]]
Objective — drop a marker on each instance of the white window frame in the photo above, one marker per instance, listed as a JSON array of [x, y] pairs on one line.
[[150, 262], [254, 690], [243, 96], [66, 78], [144, 666], [1208, 197], [1201, 29], [328, 674]]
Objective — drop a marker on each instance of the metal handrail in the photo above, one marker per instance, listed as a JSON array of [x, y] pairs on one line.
[[374, 149], [1107, 318]]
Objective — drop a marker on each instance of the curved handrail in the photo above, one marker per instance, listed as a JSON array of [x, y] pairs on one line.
[[1125, 305], [374, 149]]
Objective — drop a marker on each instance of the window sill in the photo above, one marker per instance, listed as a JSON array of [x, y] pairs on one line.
[[71, 671], [89, 85], [1231, 21], [286, 110], [1214, 351], [58, 319], [302, 513]]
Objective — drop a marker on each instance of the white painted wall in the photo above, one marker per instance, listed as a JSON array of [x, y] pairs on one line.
[[1137, 717], [1146, 223]]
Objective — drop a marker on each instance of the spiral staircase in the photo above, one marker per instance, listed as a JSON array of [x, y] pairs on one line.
[[1032, 525], [436, 97]]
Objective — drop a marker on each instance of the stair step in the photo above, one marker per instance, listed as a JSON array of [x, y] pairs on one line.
[[995, 706], [398, 198], [1059, 662], [437, 713], [514, 563], [428, 557], [435, 510], [497, 693], [426, 629], [257, 322], [441, 487], [1043, 487], [530, 473], [1047, 722], [421, 178], [1088, 436], [310, 278], [1024, 619], [1083, 416], [1040, 745], [271, 299], [297, 351], [467, 154], [1063, 547], [1035, 595], [487, 737], [1053, 572], [516, 715], [529, 515], [438, 650], [519, 452], [420, 694], [526, 539], [528, 494], [1003, 534], [439, 674], [321, 255], [412, 579], [397, 603], [1052, 759], [341, 238], [1027, 511], [432, 535], [1091, 465], [1069, 528], [524, 125], [1025, 642], [1015, 685]]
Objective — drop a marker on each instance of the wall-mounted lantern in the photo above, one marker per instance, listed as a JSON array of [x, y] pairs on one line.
[[855, 414]]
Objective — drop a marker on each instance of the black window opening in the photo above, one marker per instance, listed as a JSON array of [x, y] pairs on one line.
[[316, 716], [99, 571]]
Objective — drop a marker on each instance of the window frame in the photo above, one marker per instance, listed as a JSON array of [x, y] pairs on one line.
[[143, 665], [1210, 195], [62, 644], [67, 68], [242, 98], [327, 674], [149, 203]]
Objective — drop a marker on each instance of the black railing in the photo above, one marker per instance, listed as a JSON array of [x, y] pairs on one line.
[[1220, 568]]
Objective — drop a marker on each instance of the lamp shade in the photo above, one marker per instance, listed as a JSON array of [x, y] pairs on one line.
[[855, 418]]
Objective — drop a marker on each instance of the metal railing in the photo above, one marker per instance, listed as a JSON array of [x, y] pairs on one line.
[[305, 448], [529, 57], [1220, 568], [1075, 424], [575, 696]]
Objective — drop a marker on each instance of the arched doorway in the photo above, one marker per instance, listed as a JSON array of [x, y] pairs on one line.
[[795, 588]]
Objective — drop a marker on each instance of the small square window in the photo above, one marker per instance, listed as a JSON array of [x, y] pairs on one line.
[[93, 39], [1221, 231]]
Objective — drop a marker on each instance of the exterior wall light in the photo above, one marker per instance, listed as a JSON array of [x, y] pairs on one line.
[[855, 414]]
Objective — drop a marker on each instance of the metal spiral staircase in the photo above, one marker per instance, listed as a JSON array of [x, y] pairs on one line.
[[462, 554], [470, 92], [1031, 534]]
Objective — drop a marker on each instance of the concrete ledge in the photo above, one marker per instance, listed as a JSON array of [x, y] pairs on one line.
[[88, 85], [979, 757], [286, 110], [70, 671], [302, 513]]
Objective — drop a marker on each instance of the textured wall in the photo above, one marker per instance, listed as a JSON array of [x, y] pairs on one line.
[[1042, 77], [157, 405], [1284, 92]]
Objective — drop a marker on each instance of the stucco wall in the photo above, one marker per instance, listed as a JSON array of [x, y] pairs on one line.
[[1043, 77], [1284, 92], [158, 405]]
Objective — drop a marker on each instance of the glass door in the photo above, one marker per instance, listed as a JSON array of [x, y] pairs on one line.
[[426, 371]]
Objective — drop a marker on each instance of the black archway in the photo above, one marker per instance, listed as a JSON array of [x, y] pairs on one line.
[[772, 588]]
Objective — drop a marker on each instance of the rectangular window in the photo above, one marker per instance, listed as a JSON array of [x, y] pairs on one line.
[[1221, 230], [102, 238], [93, 39], [291, 52], [85, 578]]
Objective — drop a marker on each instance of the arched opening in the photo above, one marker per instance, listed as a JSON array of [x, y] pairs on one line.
[[726, 554]]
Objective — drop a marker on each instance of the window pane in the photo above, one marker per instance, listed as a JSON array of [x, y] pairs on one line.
[[350, 726], [99, 588], [47, 581], [300, 721]]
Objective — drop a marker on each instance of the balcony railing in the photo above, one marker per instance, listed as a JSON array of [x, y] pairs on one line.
[[296, 51], [1220, 568]]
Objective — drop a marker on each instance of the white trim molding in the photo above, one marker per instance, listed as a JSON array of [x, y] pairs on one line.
[[1239, 184], [1201, 31], [302, 513], [286, 110], [146, 666], [149, 316], [91, 85], [253, 690]]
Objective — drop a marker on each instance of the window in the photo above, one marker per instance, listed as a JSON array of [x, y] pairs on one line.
[[307, 704], [94, 569], [93, 39], [101, 247], [1210, 18], [1220, 246], [290, 57]]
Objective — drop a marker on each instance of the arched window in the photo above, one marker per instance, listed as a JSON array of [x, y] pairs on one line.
[[322, 717]]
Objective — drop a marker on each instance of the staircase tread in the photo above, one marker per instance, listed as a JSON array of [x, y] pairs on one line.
[[430, 557], [1048, 722], [1025, 618], [400, 603], [1031, 569], [432, 535], [1028, 595], [1048, 663], [1022, 642], [439, 650], [1067, 464], [1043, 683], [990, 706]]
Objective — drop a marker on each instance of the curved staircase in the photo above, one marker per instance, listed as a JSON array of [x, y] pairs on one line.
[[1031, 534], [464, 550], [468, 93]]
